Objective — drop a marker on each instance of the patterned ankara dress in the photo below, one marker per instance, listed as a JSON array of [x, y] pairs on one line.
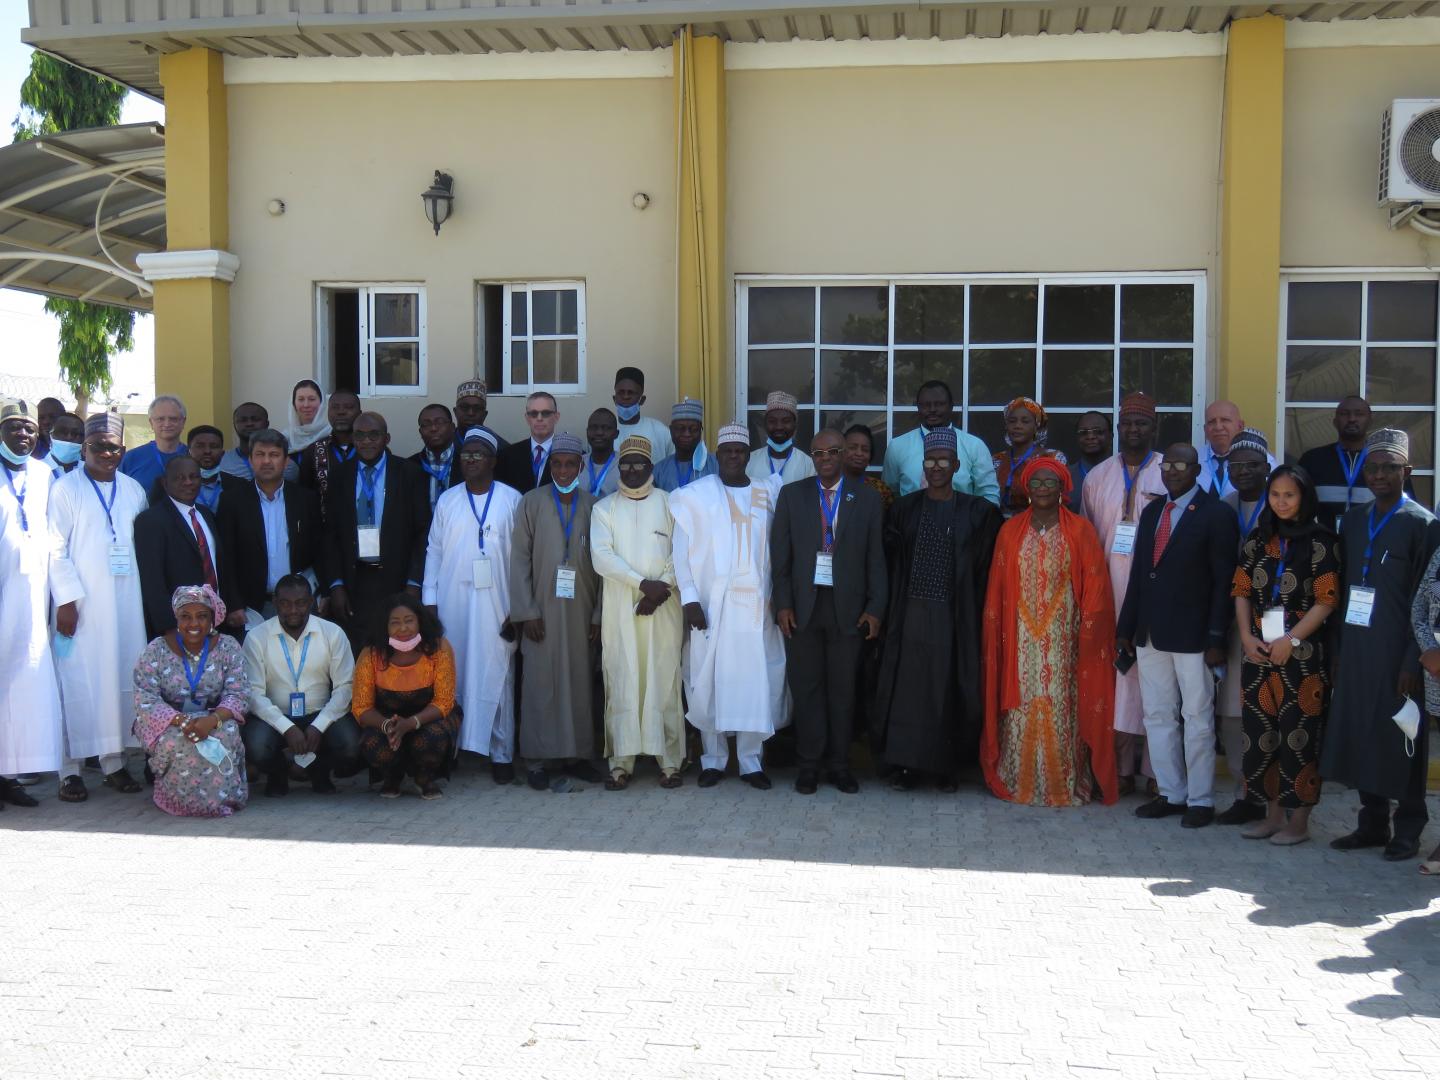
[[424, 755], [1285, 707]]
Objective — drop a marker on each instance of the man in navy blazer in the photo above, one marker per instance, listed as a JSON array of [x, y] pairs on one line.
[[1174, 621]]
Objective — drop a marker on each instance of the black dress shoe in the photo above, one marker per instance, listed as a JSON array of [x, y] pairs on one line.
[[1241, 812], [15, 795], [321, 784], [1159, 807], [1356, 840], [1399, 850], [844, 782], [502, 772], [808, 782], [903, 780], [1197, 817], [709, 777], [538, 779], [758, 780], [277, 784], [584, 770]]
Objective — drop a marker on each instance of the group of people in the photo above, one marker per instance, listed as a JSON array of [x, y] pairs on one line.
[[307, 603]]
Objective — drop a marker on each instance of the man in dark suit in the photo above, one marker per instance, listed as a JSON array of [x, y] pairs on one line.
[[271, 527], [526, 465], [178, 542], [439, 460], [829, 588], [1175, 618], [377, 521]]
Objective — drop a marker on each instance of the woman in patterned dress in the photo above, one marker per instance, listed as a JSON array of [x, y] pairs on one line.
[[1049, 653], [1290, 568], [1026, 428], [1425, 619], [859, 453], [190, 700]]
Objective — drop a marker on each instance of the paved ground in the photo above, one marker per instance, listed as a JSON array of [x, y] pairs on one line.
[[725, 933]]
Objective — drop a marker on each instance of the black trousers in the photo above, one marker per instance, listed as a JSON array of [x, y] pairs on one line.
[[1411, 814], [369, 591], [820, 664], [339, 751]]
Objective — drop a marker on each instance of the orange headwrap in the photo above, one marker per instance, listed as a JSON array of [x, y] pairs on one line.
[[1033, 407], [1046, 463]]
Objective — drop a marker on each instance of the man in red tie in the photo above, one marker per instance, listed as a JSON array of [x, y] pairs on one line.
[[1174, 621], [525, 465]]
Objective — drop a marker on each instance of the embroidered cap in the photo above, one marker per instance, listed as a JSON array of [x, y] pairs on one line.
[[105, 423], [479, 434], [471, 388], [1137, 403], [1390, 440], [565, 443], [780, 401], [942, 439], [637, 444], [1251, 439], [734, 432], [688, 409], [16, 409]]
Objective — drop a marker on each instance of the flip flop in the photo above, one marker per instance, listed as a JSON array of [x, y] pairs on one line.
[[121, 780], [618, 781]]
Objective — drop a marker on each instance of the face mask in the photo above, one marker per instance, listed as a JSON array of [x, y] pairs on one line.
[[66, 453], [213, 751], [627, 412], [12, 457], [210, 474], [63, 646], [780, 447], [404, 645], [566, 489]]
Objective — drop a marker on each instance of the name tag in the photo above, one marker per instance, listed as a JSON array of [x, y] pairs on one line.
[[122, 560], [1362, 603], [824, 568], [32, 556], [297, 705], [482, 573], [564, 583], [1125, 534], [1272, 625], [369, 538]]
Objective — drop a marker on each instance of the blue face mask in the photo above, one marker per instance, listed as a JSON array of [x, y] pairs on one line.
[[627, 412], [566, 489], [63, 646], [213, 751], [66, 453], [210, 474], [780, 447], [12, 457]]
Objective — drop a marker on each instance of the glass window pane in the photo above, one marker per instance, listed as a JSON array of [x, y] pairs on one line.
[[1424, 490], [1306, 429], [1323, 310], [519, 321], [804, 428], [904, 420], [841, 419], [781, 315], [557, 361], [915, 367], [791, 370], [1003, 313], [1079, 313], [555, 311], [1173, 428], [1402, 310], [519, 363], [989, 428], [397, 363], [1321, 372], [1157, 313], [855, 315], [1420, 426], [930, 314], [853, 378], [1164, 374], [1062, 432], [396, 315], [999, 376], [1400, 376], [1078, 377]]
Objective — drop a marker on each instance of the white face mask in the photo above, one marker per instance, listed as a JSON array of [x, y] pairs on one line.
[[405, 644]]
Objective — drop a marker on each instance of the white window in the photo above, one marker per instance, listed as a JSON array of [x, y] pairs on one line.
[[372, 338], [542, 336], [1372, 334], [856, 351]]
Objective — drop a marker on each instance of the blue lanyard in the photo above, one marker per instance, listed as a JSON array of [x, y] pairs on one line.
[[194, 680], [1010, 476], [107, 507], [1130, 483], [1221, 471], [343, 453], [209, 498], [828, 513], [689, 471], [304, 651], [595, 484], [1279, 572], [773, 469], [479, 517], [437, 472], [565, 524], [1247, 525], [1374, 531], [1351, 475], [369, 482], [19, 494]]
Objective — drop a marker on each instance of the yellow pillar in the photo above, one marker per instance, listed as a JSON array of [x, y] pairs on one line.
[[704, 367], [1251, 162], [192, 313]]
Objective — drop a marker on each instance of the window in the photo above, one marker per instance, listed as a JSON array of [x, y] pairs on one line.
[[531, 336], [857, 351], [1374, 335], [372, 339]]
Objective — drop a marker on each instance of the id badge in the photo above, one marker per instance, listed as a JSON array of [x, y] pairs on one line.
[[482, 573], [1272, 625], [297, 705], [1362, 603], [1125, 534], [824, 568], [369, 537], [122, 560], [32, 556], [564, 583]]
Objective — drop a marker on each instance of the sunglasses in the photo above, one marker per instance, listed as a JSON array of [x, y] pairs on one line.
[[540, 414], [1044, 483], [836, 452], [937, 463], [1176, 466], [108, 449], [634, 468]]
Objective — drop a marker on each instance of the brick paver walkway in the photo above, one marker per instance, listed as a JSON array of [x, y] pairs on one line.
[[725, 933]]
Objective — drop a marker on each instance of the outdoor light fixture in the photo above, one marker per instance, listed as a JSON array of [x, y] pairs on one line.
[[439, 200]]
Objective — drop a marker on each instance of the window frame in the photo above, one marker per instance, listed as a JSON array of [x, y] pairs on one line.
[[507, 339], [366, 358]]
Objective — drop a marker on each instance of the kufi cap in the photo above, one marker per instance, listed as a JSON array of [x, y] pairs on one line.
[[735, 433], [479, 434], [1391, 441], [1137, 403], [198, 594], [1047, 463], [565, 443], [105, 423], [1251, 439], [942, 439], [16, 409], [780, 401], [689, 409], [470, 388], [636, 444]]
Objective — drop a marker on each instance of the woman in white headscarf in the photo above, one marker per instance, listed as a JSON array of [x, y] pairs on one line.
[[308, 421]]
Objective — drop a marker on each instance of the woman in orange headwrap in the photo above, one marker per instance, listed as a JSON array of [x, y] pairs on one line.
[[1025, 431], [1048, 652]]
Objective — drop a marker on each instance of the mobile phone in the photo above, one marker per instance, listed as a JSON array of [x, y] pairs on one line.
[[1124, 662]]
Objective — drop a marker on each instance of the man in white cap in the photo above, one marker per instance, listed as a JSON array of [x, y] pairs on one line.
[[467, 583], [691, 460], [99, 613], [779, 457], [471, 409], [735, 681]]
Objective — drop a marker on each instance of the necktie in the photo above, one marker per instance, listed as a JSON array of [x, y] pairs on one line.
[[1162, 534], [1220, 470], [365, 513], [539, 462], [207, 564], [827, 533]]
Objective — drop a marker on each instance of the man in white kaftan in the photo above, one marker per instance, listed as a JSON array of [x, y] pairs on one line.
[[735, 681], [467, 581]]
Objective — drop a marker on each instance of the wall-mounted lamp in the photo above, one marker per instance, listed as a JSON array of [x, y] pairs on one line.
[[439, 200], [640, 201]]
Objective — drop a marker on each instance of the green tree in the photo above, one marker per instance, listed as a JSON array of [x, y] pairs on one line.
[[57, 96]]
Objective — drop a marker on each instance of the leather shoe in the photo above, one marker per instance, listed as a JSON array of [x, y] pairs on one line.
[[321, 784], [538, 779], [709, 777], [844, 782], [502, 772], [757, 780], [1159, 807], [1241, 812], [808, 782], [1399, 850], [1197, 817], [586, 771], [15, 795], [1357, 839], [277, 784]]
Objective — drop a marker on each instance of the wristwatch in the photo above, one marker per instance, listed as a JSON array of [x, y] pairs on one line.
[[1294, 642]]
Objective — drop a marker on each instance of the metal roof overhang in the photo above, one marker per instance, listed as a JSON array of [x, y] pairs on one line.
[[107, 36], [76, 208]]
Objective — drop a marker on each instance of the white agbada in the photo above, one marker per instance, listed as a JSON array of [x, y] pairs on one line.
[[484, 661], [735, 679], [30, 697], [97, 678]]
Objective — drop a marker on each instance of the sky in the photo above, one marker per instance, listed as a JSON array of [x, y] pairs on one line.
[[27, 334]]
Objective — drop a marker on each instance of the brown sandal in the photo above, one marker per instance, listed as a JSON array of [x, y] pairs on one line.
[[72, 789], [618, 781], [671, 780], [122, 781]]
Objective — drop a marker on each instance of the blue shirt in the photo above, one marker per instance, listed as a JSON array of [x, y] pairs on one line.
[[146, 464], [904, 469], [277, 536], [379, 487], [1177, 507], [670, 471]]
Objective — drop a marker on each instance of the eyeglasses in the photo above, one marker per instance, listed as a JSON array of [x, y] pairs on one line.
[[368, 436], [1176, 466], [1044, 483], [540, 414], [835, 452], [937, 463], [107, 449], [1087, 431], [1375, 468], [475, 455], [634, 467]]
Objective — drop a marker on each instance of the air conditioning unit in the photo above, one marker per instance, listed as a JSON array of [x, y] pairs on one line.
[[1410, 154]]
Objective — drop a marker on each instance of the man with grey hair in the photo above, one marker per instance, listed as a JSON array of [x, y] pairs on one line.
[[146, 464]]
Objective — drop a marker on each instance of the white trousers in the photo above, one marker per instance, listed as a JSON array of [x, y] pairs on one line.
[[108, 764], [502, 741], [715, 750], [1173, 685]]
